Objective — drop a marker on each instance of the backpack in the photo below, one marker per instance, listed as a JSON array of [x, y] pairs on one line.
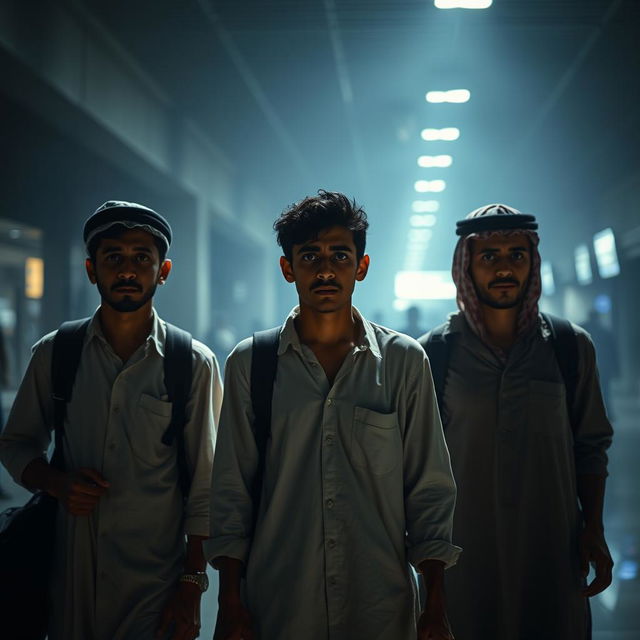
[[437, 345], [264, 365], [67, 350], [27, 532]]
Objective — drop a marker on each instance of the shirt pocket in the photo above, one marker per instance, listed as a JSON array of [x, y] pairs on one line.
[[547, 408], [152, 419], [376, 445]]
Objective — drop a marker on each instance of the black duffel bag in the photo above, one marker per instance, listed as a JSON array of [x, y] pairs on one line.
[[27, 536]]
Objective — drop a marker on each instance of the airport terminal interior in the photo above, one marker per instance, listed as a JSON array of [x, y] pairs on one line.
[[221, 113]]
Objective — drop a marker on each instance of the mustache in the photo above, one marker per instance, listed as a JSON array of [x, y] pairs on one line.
[[500, 281], [323, 285], [128, 285]]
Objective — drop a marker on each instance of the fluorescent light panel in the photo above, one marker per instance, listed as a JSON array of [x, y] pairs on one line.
[[453, 95], [426, 220], [448, 133], [425, 186], [435, 161], [462, 4], [425, 206]]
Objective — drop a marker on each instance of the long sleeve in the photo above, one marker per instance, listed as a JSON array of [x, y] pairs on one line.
[[592, 432], [430, 490], [27, 433], [203, 410], [235, 464]]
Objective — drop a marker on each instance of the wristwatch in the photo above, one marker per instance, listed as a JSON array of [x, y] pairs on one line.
[[199, 577]]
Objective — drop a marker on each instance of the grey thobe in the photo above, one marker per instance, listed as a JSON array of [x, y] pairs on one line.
[[357, 485], [515, 460], [113, 570]]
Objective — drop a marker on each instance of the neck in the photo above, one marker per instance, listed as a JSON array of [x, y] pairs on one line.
[[125, 332], [501, 325], [327, 329]]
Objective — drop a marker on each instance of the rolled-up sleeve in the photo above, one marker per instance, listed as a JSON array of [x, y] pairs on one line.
[[203, 410], [27, 433], [430, 490], [235, 464], [592, 431]]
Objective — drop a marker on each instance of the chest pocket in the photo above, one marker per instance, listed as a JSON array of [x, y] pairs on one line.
[[375, 441], [152, 418], [547, 408]]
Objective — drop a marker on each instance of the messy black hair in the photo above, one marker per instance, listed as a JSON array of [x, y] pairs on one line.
[[303, 221], [115, 231]]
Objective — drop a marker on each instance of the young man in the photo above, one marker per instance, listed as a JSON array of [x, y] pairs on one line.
[[121, 569], [357, 481], [525, 450]]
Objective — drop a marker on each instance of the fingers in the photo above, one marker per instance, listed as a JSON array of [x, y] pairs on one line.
[[94, 476], [603, 577]]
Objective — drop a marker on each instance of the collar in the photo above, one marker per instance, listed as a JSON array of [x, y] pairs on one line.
[[156, 338], [367, 340]]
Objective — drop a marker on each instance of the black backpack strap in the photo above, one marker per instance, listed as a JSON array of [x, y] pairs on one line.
[[565, 346], [178, 374], [264, 365], [65, 360], [437, 347]]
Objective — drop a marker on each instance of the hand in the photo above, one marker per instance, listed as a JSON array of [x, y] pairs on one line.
[[182, 611], [79, 491], [433, 623], [234, 623], [593, 550]]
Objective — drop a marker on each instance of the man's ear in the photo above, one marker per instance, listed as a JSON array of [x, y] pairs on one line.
[[363, 268], [91, 270], [287, 270], [165, 270]]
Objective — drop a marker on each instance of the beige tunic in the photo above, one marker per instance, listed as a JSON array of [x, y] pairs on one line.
[[357, 485], [515, 460], [113, 570]]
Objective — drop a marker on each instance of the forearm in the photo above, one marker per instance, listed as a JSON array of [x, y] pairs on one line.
[[433, 578], [591, 495], [39, 474], [230, 573], [195, 561]]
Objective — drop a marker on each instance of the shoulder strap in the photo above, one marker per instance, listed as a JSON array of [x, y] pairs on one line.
[[565, 346], [264, 365], [178, 374], [67, 350], [437, 348]]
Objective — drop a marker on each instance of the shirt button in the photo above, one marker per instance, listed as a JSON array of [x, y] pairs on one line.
[[332, 543], [328, 439], [329, 503], [116, 409], [332, 581], [329, 402]]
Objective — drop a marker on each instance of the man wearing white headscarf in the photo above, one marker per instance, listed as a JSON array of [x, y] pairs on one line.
[[528, 447]]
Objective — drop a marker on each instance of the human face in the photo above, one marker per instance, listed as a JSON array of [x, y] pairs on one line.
[[500, 267], [325, 270], [127, 270]]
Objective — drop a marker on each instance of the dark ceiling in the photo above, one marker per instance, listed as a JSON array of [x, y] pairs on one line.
[[308, 94]]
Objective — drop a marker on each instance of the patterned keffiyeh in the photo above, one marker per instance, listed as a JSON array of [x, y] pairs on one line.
[[467, 298]]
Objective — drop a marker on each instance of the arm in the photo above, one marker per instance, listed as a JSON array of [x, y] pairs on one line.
[[433, 622], [182, 610], [592, 437]]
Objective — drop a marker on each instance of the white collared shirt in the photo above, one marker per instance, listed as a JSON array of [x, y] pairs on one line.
[[357, 485]]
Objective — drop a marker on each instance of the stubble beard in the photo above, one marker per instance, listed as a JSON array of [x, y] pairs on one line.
[[126, 304]]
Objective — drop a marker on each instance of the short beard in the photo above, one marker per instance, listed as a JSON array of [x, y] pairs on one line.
[[126, 305], [496, 304]]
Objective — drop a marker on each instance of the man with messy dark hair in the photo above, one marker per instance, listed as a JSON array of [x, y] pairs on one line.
[[356, 486]]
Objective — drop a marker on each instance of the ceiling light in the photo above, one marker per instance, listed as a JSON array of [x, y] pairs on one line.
[[463, 4], [423, 186], [448, 133], [435, 161], [453, 95]]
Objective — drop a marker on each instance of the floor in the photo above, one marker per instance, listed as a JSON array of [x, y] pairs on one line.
[[616, 613]]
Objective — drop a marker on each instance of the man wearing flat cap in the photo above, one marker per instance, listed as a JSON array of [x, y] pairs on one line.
[[128, 561], [528, 433]]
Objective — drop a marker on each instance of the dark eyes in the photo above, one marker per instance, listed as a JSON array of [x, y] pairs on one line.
[[116, 258], [338, 256], [518, 256]]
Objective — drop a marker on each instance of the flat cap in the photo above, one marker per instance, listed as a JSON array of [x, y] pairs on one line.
[[127, 214], [495, 217]]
